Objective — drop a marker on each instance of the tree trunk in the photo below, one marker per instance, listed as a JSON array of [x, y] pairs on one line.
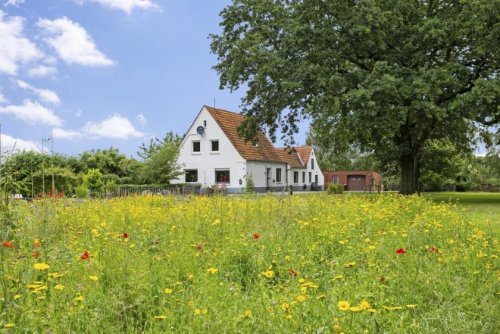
[[409, 173]]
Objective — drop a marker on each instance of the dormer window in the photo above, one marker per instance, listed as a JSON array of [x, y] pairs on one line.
[[214, 145]]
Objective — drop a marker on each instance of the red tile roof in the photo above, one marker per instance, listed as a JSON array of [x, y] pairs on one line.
[[290, 156], [229, 122], [304, 153], [264, 150]]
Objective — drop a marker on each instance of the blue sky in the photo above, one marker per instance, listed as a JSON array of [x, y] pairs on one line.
[[106, 73]]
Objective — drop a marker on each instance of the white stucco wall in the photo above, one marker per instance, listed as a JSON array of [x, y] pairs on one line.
[[258, 171], [314, 171], [206, 162]]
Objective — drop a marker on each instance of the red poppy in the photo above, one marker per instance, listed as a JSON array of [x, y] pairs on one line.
[[256, 236], [7, 244], [125, 235], [434, 250], [85, 255], [400, 251], [35, 255]]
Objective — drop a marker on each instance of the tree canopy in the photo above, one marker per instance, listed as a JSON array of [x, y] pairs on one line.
[[387, 75]]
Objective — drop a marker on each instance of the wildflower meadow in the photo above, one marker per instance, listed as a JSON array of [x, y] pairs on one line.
[[247, 264]]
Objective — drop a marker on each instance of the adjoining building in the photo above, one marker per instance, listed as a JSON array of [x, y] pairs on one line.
[[212, 154], [355, 180]]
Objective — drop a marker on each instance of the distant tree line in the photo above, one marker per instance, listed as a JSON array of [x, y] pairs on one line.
[[33, 173], [444, 165]]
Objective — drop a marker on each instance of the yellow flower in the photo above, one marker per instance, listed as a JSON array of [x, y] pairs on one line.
[[79, 298], [17, 297], [10, 325], [411, 305], [336, 328], [268, 274], [300, 298], [364, 305], [41, 266], [343, 305], [355, 309], [200, 311], [168, 291], [212, 270], [247, 314], [392, 308], [160, 317], [59, 287], [94, 278], [338, 277]]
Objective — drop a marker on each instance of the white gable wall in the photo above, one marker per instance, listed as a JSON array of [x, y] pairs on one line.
[[314, 171], [207, 162]]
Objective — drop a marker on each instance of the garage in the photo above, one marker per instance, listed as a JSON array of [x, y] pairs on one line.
[[356, 182]]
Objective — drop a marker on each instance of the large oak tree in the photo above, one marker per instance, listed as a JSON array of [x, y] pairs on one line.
[[388, 75]]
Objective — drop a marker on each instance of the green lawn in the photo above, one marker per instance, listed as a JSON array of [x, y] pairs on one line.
[[481, 208]]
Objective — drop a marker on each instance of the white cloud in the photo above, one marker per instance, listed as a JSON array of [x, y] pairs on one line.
[[66, 134], [3, 99], [117, 127], [72, 42], [42, 71], [10, 144], [141, 119], [126, 6], [45, 94], [15, 49], [14, 2], [32, 112]]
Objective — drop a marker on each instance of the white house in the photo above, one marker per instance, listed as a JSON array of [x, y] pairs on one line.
[[213, 154]]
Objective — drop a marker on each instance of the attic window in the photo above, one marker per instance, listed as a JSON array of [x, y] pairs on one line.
[[215, 145], [205, 123], [196, 146]]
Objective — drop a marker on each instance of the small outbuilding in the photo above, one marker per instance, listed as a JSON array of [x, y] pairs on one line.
[[355, 180]]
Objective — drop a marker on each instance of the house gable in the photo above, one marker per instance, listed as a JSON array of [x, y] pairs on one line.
[[229, 123]]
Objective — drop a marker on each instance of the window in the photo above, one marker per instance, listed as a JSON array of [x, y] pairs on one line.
[[196, 146], [222, 176], [278, 175], [312, 163], [215, 145], [295, 177], [191, 175], [310, 175], [303, 177], [335, 179]]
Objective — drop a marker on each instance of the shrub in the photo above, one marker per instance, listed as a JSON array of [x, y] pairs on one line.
[[82, 191], [335, 188], [249, 187]]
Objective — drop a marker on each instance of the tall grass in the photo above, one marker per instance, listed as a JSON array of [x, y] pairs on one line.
[[251, 264]]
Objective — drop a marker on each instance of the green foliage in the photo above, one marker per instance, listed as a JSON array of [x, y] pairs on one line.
[[249, 185], [93, 181], [82, 191], [386, 75], [160, 160], [335, 188], [111, 187], [107, 161]]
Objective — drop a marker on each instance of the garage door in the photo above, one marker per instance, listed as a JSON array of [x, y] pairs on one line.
[[356, 182]]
